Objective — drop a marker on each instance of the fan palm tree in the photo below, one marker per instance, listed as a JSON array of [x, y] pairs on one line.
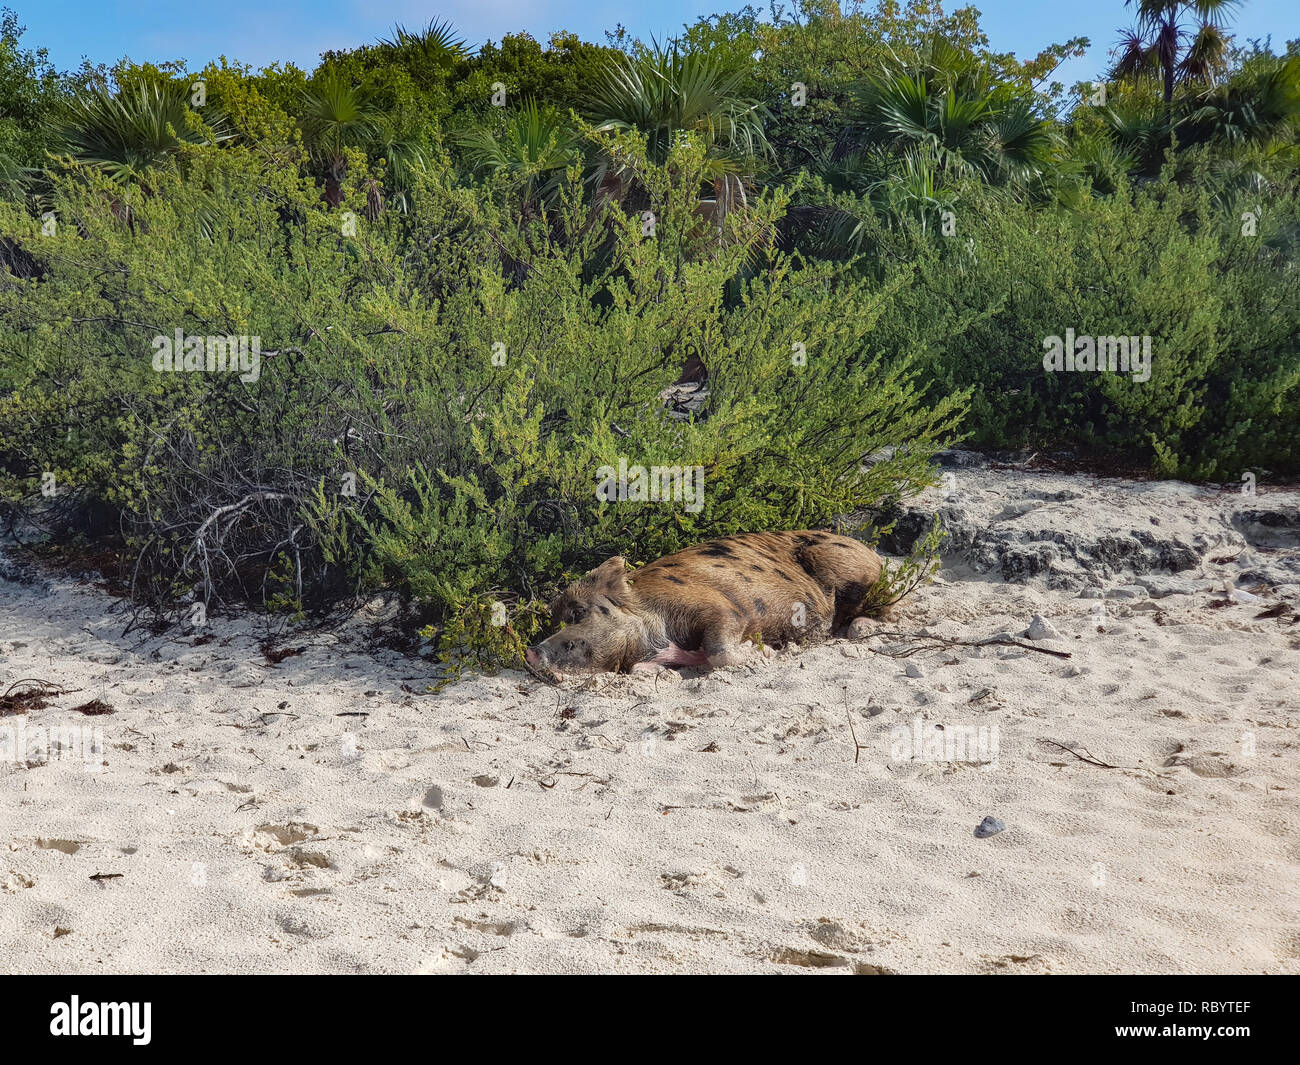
[[1103, 160], [1139, 130], [1250, 110], [534, 150], [336, 116], [1179, 41], [664, 92], [437, 45], [894, 188], [948, 109], [124, 134]]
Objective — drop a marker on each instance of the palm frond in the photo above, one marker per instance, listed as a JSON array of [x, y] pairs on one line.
[[335, 114], [666, 91], [125, 133], [438, 43], [534, 150], [1206, 57]]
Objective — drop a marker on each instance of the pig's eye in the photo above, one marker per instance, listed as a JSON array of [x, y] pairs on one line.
[[577, 615]]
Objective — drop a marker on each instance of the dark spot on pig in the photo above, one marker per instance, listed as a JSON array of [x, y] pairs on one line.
[[747, 580], [668, 565], [756, 567], [675, 580], [604, 610], [761, 607], [733, 600], [717, 551]]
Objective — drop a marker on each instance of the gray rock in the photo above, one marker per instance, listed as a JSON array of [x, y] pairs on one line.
[[1065, 559], [1041, 629], [1269, 528], [1159, 586], [1127, 591], [1070, 532], [956, 458], [913, 670], [22, 572], [990, 826]]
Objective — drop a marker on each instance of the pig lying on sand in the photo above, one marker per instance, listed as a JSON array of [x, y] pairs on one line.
[[705, 606]]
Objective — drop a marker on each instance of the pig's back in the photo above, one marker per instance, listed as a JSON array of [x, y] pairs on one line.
[[781, 586]]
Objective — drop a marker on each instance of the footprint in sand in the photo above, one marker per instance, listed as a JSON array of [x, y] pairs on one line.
[[65, 846], [304, 859], [810, 959], [15, 882], [495, 928], [446, 957], [1206, 765], [308, 926], [272, 838]]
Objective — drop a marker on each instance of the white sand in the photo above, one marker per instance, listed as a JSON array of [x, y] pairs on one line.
[[693, 823]]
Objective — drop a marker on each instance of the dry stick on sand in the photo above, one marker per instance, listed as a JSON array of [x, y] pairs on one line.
[[1091, 759], [943, 641], [539, 675], [857, 747]]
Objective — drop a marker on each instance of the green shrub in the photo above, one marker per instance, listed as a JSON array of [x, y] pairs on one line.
[[1222, 310], [446, 385]]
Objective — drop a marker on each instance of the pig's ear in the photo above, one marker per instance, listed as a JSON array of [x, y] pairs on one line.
[[610, 577]]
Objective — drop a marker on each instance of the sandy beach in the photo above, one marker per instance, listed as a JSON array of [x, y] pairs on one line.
[[328, 813]]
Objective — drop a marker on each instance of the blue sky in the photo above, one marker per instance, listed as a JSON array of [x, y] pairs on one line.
[[260, 31]]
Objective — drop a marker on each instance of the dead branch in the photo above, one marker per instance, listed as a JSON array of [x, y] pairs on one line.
[[942, 642], [1091, 759]]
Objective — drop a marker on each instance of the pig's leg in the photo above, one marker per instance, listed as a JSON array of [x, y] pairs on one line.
[[672, 655], [851, 614], [726, 646], [846, 569]]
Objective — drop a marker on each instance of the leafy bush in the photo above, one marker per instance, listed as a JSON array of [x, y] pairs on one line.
[[438, 391], [1222, 310]]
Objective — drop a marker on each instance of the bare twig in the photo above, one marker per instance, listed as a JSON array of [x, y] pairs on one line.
[[857, 747], [940, 642], [1088, 757]]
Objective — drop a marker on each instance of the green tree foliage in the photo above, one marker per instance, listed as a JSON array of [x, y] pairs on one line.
[[125, 134], [32, 91], [1176, 41], [1216, 296], [863, 277], [466, 366]]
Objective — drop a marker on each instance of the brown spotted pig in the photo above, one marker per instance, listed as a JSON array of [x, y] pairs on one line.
[[708, 605]]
